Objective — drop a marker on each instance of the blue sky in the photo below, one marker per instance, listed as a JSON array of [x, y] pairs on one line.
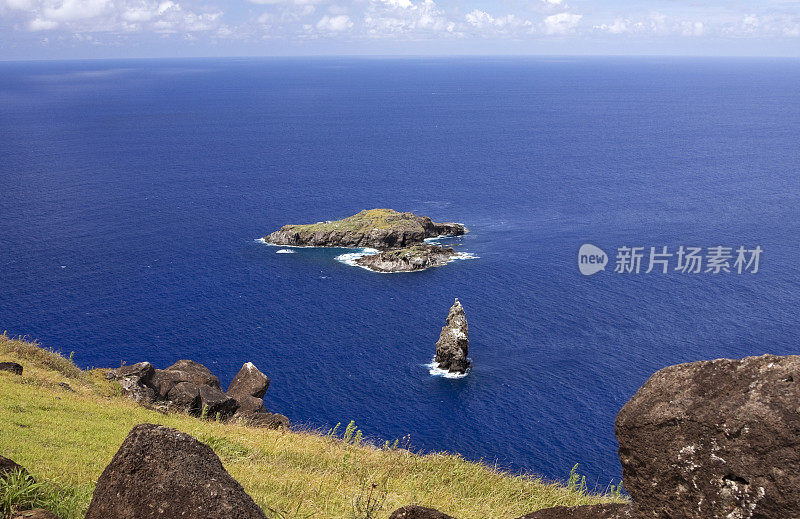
[[41, 29]]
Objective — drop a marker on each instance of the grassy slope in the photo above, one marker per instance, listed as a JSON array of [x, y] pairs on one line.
[[365, 221], [69, 437]]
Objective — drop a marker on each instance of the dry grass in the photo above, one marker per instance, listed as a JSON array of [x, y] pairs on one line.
[[67, 438]]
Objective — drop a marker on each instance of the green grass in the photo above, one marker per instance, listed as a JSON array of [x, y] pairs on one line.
[[364, 222], [65, 439]]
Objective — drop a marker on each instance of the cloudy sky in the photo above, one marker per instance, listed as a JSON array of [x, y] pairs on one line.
[[37, 29]]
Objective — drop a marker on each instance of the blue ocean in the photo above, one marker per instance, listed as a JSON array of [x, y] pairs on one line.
[[134, 193]]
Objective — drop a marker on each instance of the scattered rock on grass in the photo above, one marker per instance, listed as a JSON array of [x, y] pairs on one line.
[[418, 512], [160, 473], [13, 367]]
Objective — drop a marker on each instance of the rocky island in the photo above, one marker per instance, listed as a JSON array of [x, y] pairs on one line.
[[399, 238], [453, 344]]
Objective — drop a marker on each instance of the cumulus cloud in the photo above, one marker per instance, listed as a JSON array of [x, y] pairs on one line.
[[393, 19], [121, 16], [561, 23], [500, 25], [405, 17], [334, 23]]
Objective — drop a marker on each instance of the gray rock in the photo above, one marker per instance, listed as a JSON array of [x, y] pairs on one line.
[[408, 259], [12, 367], [160, 473], [453, 345], [184, 396], [132, 388], [714, 439], [249, 382], [250, 404], [214, 403], [141, 371], [183, 371], [263, 419]]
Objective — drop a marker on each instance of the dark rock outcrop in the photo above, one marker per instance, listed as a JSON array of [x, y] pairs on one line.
[[135, 381], [453, 344], [377, 228], [418, 512], [8, 466], [604, 511], [13, 367], [190, 387], [262, 418], [183, 371], [416, 257], [713, 439], [160, 472], [215, 403], [249, 387], [142, 371]]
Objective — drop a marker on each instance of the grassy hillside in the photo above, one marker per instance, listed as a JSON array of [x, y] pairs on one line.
[[67, 437]]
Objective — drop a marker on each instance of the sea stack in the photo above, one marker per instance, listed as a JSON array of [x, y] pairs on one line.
[[453, 344]]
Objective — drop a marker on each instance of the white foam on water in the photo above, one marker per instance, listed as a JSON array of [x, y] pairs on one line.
[[463, 256], [349, 258], [284, 251], [436, 371], [265, 242]]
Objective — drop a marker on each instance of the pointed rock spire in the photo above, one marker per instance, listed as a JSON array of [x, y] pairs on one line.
[[453, 344]]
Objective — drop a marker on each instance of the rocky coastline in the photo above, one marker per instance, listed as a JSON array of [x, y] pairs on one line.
[[399, 238]]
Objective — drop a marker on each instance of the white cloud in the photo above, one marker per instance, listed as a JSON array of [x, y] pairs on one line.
[[37, 24], [405, 17], [334, 23], [70, 10], [619, 26], [116, 16], [561, 23], [479, 18], [489, 25]]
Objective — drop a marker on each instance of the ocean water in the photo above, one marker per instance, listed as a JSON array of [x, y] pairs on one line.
[[133, 193]]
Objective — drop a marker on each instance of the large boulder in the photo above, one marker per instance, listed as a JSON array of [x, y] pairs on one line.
[[714, 439], [185, 397], [160, 473], [263, 419], [604, 511], [214, 403], [141, 371], [453, 344], [249, 381], [418, 512], [183, 371], [12, 367]]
